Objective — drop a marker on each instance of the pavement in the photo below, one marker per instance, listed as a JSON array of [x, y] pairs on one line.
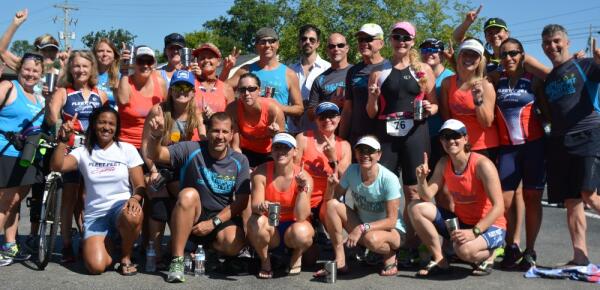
[[553, 247]]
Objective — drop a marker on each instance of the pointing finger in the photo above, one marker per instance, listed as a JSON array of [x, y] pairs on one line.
[[425, 158], [479, 9], [74, 118], [593, 44]]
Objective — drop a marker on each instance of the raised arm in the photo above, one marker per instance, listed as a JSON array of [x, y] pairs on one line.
[[460, 31], [154, 149], [428, 189], [303, 191], [484, 94], [53, 108], [59, 161], [11, 60], [374, 93]]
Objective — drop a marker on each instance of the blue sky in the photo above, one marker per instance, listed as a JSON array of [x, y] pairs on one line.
[[151, 20]]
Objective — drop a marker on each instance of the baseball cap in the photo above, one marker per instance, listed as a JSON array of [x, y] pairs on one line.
[[175, 39], [144, 50], [471, 44], [369, 141], [207, 46], [46, 45], [285, 138], [406, 26], [325, 107], [495, 22], [432, 42], [182, 76], [454, 125], [372, 29], [266, 32]]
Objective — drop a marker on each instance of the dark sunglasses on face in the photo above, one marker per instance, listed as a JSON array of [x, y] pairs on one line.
[[450, 136], [182, 88], [429, 50], [512, 53], [242, 90], [339, 45], [365, 39], [327, 116], [144, 61], [365, 150], [311, 39], [402, 37], [264, 41]]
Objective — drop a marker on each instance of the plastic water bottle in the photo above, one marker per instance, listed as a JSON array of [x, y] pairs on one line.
[[150, 258], [199, 260]]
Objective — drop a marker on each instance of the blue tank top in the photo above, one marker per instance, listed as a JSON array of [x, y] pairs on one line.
[[435, 122], [76, 104], [104, 85], [163, 74], [275, 78], [15, 116]]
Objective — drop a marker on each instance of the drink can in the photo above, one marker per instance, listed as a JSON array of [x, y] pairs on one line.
[[452, 225], [418, 114], [274, 209], [331, 268], [51, 81], [185, 54], [269, 92]]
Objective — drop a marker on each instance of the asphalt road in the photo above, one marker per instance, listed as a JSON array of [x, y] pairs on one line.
[[553, 247]]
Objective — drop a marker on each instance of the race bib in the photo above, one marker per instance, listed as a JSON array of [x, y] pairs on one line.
[[398, 127]]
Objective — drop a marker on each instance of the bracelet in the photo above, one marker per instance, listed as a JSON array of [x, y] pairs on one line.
[[155, 137], [333, 164], [478, 102]]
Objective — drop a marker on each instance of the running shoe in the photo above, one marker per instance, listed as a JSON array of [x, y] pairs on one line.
[[5, 261], [529, 259], [14, 253], [176, 270], [512, 255]]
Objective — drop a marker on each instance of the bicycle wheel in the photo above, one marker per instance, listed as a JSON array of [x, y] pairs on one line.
[[50, 225]]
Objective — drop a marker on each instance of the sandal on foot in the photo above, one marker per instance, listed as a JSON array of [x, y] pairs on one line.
[[433, 269], [264, 274], [387, 268], [323, 272], [294, 271], [482, 269], [128, 269]]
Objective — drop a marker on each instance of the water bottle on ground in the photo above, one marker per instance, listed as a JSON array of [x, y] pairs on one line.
[[199, 260], [150, 258]]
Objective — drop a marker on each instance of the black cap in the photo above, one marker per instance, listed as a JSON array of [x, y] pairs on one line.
[[495, 22], [432, 42], [176, 39]]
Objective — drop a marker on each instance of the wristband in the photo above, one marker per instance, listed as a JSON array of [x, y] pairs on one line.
[[333, 164]]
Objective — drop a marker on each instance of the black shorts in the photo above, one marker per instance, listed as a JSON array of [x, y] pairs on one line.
[[404, 153], [569, 171], [13, 175], [161, 208], [255, 158], [207, 240], [490, 153]]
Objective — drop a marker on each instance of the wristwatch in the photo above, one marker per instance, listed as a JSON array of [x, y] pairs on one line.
[[476, 231], [216, 221], [366, 227]]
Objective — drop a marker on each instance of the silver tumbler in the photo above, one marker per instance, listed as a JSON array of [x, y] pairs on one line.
[[419, 111], [51, 79], [331, 268], [452, 225], [185, 54], [274, 209]]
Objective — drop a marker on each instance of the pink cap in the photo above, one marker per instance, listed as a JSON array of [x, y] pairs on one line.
[[406, 26]]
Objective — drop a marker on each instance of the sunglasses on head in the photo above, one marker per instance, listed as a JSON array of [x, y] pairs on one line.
[[33, 56], [402, 37], [264, 41], [452, 135], [250, 89], [430, 50], [182, 88], [311, 39], [365, 150], [338, 45], [512, 53]]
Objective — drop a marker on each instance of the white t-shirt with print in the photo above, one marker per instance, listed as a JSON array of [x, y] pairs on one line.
[[106, 175]]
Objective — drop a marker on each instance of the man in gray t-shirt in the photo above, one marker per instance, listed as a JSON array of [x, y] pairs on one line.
[[216, 187]]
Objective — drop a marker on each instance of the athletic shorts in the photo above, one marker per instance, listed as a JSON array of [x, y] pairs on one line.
[[105, 225], [13, 175], [490, 153], [255, 158], [208, 240], [404, 153], [524, 162], [572, 169], [493, 235]]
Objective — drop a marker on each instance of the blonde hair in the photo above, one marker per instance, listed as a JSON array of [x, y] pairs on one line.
[[192, 122], [46, 38], [66, 79], [113, 70], [480, 71], [417, 66]]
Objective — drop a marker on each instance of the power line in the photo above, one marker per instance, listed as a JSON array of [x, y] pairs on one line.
[[66, 35], [554, 16]]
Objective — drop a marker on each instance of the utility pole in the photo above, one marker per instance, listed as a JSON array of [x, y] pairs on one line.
[[66, 35]]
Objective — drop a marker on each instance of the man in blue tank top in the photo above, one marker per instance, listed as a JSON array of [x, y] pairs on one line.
[[276, 79], [571, 92]]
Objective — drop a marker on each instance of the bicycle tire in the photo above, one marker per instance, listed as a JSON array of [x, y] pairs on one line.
[[52, 219]]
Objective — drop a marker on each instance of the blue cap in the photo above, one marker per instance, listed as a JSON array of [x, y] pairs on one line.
[[183, 76], [327, 107]]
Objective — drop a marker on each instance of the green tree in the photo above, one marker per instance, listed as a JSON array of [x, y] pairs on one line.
[[20, 47], [117, 36]]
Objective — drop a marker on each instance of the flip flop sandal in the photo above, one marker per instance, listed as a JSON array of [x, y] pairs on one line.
[[433, 269], [483, 269], [294, 271], [388, 267], [125, 269], [263, 274]]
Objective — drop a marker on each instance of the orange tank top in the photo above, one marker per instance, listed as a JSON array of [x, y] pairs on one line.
[[287, 198], [317, 165], [213, 98], [255, 137], [133, 114], [462, 108], [471, 203]]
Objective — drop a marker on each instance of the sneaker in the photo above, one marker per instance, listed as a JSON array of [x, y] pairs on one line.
[[14, 253], [68, 256], [512, 255], [529, 259], [176, 270], [5, 261]]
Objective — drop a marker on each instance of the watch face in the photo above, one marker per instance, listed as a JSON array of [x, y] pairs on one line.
[[216, 221]]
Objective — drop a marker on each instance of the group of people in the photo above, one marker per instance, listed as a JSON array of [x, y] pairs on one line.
[[335, 145]]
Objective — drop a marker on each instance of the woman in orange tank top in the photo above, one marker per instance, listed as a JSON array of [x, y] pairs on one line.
[[323, 153], [470, 98], [473, 182], [281, 181], [255, 119], [137, 94]]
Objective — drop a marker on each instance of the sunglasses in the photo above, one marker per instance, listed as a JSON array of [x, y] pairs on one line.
[[430, 50], [327, 116], [33, 56], [365, 39], [339, 45], [242, 90], [450, 136], [512, 53], [182, 88], [264, 41], [401, 37], [144, 61], [311, 39], [365, 150]]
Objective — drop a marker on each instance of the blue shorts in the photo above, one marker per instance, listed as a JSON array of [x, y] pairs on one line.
[[493, 235], [105, 225], [522, 162]]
